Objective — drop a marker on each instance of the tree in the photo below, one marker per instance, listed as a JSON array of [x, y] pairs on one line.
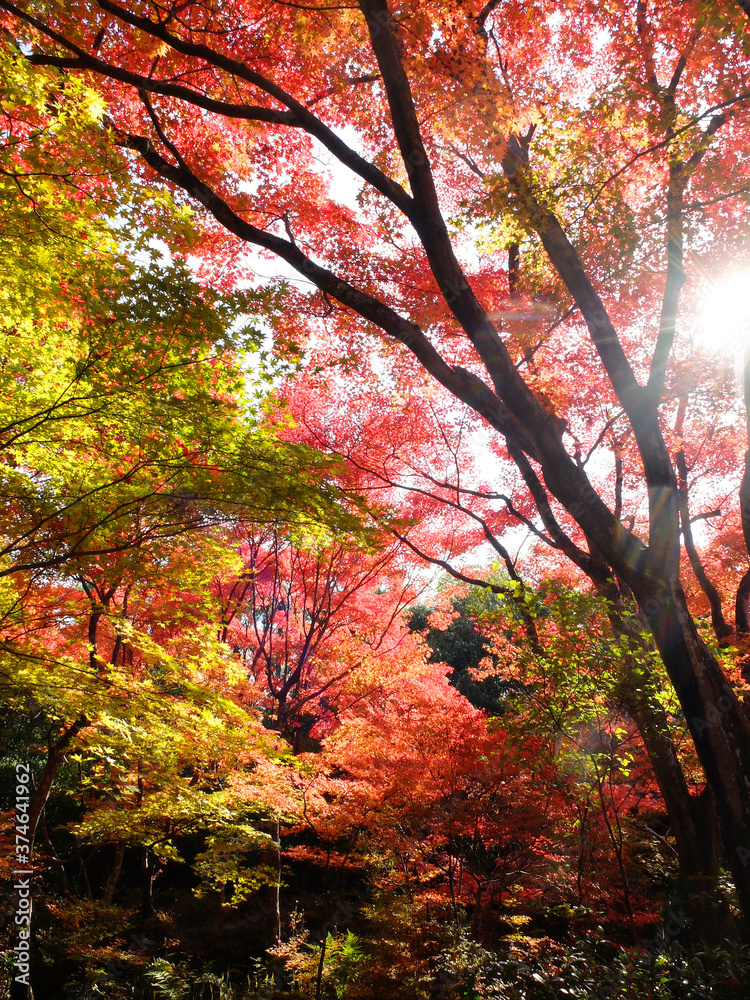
[[124, 430], [592, 142], [304, 616]]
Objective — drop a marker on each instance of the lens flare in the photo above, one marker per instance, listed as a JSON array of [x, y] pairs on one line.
[[724, 319]]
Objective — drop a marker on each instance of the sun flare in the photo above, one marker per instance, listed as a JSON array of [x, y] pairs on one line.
[[724, 317]]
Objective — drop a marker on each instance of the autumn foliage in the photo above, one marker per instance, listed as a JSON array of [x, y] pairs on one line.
[[374, 582]]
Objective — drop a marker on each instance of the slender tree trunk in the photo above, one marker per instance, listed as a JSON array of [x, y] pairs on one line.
[[581, 860], [55, 857], [614, 831], [721, 628], [83, 863], [742, 601], [147, 883], [270, 895], [111, 884], [321, 963], [55, 757], [277, 883], [476, 918], [742, 606]]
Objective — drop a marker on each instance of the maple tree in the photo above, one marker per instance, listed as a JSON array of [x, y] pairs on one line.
[[125, 414], [109, 459], [304, 616]]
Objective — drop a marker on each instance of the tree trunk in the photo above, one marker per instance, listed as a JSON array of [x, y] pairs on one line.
[[276, 888], [692, 818], [111, 884], [55, 757], [716, 720], [696, 838], [147, 883], [269, 896]]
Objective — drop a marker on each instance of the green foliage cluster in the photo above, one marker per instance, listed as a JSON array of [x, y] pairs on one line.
[[463, 646], [125, 383]]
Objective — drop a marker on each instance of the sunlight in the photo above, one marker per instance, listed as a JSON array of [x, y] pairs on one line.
[[724, 319], [525, 309]]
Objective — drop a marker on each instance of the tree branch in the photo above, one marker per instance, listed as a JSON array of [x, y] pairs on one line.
[[298, 114]]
